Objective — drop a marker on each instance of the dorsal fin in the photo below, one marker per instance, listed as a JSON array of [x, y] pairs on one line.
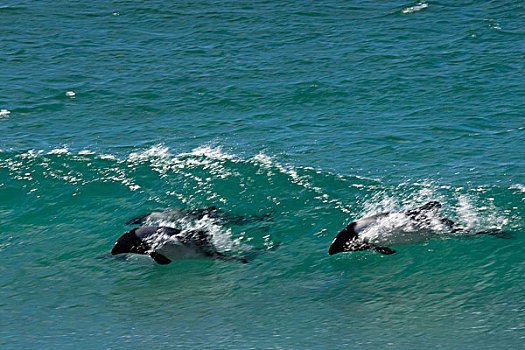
[[430, 206], [433, 205], [138, 220]]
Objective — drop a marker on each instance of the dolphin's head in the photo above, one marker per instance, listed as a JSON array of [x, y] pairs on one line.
[[343, 238], [129, 243], [336, 247]]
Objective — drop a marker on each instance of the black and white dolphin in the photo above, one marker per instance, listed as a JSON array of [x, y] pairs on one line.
[[164, 244], [374, 231]]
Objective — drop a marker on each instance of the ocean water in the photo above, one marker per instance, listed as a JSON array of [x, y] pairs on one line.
[[307, 115]]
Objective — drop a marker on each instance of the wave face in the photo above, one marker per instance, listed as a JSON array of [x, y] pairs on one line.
[[62, 211], [292, 119]]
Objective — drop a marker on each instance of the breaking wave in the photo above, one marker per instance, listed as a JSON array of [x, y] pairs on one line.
[[299, 201]]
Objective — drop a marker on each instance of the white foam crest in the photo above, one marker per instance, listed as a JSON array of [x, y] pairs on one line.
[[427, 191], [478, 217], [208, 158], [4, 113], [63, 150], [209, 152], [107, 156], [518, 187], [420, 6], [31, 154], [157, 151], [380, 203], [19, 164], [264, 159], [159, 157]]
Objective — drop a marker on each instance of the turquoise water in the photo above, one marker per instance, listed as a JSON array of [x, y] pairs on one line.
[[316, 113]]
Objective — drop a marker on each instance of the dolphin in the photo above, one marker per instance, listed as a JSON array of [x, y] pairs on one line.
[[394, 227], [164, 244]]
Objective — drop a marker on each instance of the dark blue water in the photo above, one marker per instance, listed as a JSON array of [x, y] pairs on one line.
[[308, 115]]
